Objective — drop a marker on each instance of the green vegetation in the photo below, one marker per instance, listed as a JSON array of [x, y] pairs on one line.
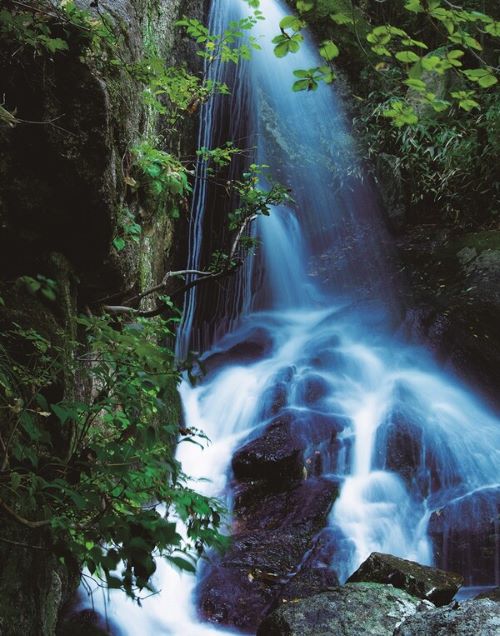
[[89, 419], [425, 74], [95, 471]]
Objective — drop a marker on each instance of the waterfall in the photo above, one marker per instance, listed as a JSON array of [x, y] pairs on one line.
[[416, 452]]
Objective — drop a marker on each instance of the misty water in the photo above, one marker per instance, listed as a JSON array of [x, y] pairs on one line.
[[318, 319]]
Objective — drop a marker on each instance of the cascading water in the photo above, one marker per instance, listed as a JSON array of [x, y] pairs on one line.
[[417, 454]]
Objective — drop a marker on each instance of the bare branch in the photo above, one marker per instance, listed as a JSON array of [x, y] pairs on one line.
[[22, 520]]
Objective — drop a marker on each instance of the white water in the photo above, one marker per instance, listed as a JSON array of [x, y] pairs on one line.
[[330, 329]]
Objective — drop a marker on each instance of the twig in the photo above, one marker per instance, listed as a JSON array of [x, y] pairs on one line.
[[22, 520]]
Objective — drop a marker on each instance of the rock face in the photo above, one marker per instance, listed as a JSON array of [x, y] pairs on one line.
[[356, 609], [464, 534], [470, 618], [454, 282], [421, 581]]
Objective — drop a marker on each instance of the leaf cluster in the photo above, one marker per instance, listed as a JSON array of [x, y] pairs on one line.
[[102, 472]]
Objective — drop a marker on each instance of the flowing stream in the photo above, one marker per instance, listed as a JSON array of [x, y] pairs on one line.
[[317, 319]]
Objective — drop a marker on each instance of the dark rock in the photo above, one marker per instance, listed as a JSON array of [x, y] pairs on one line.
[[312, 389], [275, 455], [85, 623], [300, 505], [391, 189], [478, 618], [493, 595], [236, 596], [256, 345], [356, 609], [454, 280], [465, 536], [405, 445], [272, 535], [292, 443], [274, 399], [421, 581], [307, 582]]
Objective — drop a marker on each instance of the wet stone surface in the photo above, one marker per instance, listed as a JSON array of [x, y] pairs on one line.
[[421, 581], [356, 609], [470, 618], [273, 532]]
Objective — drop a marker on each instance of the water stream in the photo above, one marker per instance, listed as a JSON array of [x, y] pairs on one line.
[[417, 453]]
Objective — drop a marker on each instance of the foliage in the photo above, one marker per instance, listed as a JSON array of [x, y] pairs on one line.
[[48, 28], [227, 46], [456, 44], [426, 77], [40, 284], [129, 229], [159, 171], [253, 199], [98, 471]]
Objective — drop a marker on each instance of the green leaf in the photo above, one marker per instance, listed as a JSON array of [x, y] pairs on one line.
[[415, 84], [482, 76], [119, 243], [415, 6], [301, 85], [493, 29], [328, 50], [291, 22], [303, 7], [341, 18], [182, 564], [407, 56], [282, 49]]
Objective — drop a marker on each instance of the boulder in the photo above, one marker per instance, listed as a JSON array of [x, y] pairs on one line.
[[493, 594], [312, 389], [274, 455], [478, 618], [295, 444], [421, 581], [257, 344], [273, 532], [356, 609], [406, 445]]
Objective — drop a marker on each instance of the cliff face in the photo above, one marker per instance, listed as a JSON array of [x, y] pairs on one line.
[[64, 200]]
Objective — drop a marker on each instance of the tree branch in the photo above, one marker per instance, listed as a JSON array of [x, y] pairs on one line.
[[22, 520]]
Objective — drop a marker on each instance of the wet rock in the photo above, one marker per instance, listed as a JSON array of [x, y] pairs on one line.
[[274, 399], [307, 582], [454, 280], [312, 389], [293, 445], [405, 445], [272, 535], [493, 595], [236, 596], [478, 618], [465, 536], [275, 455], [304, 505], [85, 623], [256, 345], [356, 609], [421, 581]]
